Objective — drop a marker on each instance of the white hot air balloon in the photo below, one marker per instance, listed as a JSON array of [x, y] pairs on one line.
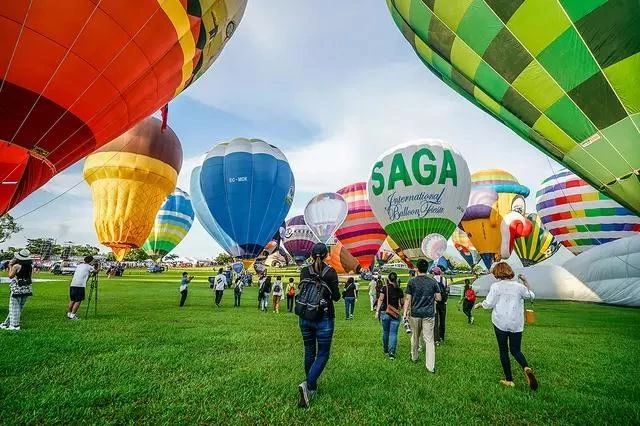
[[324, 214], [433, 246]]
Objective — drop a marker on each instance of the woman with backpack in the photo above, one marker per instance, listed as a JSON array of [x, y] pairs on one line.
[[291, 295], [467, 300], [277, 294], [20, 270], [350, 295], [388, 312], [263, 293], [317, 292]]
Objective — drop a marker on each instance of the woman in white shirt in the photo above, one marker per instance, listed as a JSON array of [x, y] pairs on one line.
[[506, 298]]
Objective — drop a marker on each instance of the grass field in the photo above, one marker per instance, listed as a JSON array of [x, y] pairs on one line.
[[144, 360]]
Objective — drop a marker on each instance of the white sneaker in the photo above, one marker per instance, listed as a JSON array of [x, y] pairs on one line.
[[74, 318], [12, 328], [303, 401], [3, 326]]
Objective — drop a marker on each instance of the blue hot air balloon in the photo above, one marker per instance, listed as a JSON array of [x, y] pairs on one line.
[[247, 187], [206, 219]]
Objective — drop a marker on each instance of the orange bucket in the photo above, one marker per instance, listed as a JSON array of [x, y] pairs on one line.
[[530, 316]]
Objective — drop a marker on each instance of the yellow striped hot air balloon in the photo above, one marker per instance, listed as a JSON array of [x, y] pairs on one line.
[[130, 178], [539, 245]]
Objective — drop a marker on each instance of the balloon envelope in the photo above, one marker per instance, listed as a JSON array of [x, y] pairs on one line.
[[360, 233], [74, 76], [324, 214], [341, 260], [237, 267], [465, 247], [433, 246], [579, 216], [564, 75], [247, 187], [172, 224], [130, 178], [385, 254], [298, 239], [398, 251], [539, 245], [417, 189]]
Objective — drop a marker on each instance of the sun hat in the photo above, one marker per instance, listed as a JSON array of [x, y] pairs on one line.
[[23, 254]]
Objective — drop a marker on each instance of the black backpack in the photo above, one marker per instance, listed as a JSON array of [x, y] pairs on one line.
[[313, 292]]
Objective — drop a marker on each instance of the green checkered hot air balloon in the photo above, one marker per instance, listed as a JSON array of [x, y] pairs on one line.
[[172, 224], [539, 245], [563, 74]]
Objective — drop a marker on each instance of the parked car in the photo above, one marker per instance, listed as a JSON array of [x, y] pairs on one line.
[[391, 266], [63, 268]]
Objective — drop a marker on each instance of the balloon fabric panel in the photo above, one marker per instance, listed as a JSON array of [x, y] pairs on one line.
[[568, 86], [171, 225]]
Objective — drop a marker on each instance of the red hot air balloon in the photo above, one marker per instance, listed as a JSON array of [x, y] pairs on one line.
[[361, 234], [75, 74]]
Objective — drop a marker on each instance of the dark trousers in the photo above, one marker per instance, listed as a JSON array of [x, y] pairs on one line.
[[349, 306], [183, 297], [509, 342], [467, 307], [317, 337], [236, 298], [441, 316], [290, 303], [219, 296]]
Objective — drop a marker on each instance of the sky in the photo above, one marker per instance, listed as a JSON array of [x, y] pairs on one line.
[[333, 84]]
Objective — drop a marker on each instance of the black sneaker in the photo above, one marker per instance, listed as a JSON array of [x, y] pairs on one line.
[[303, 401], [392, 356]]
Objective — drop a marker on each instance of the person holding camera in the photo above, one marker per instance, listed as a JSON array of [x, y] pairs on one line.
[[184, 287], [506, 299], [78, 285], [20, 270], [388, 312]]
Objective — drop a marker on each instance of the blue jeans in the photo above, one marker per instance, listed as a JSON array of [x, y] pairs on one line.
[[389, 333], [316, 336], [349, 306]]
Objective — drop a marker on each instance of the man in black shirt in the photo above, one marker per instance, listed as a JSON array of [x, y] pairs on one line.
[[317, 335], [421, 295]]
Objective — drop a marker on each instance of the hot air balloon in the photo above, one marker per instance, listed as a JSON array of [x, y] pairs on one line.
[[494, 217], [539, 245], [172, 223], [398, 251], [465, 247], [130, 178], [247, 189], [579, 216], [417, 189], [385, 254], [360, 233], [76, 74], [298, 239], [433, 246], [564, 75], [342, 261], [324, 214], [204, 216], [237, 267]]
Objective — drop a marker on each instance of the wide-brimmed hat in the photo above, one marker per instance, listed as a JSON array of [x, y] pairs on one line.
[[23, 254]]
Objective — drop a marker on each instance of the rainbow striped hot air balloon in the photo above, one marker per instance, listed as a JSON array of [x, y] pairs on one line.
[[539, 245], [361, 233], [494, 217], [465, 247], [172, 223], [579, 216]]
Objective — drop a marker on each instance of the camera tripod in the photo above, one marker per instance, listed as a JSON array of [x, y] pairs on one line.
[[93, 282]]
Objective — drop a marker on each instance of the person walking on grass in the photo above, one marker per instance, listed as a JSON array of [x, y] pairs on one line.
[[441, 305], [20, 271], [350, 296], [184, 287], [373, 295], [78, 285], [422, 293], [506, 299], [237, 291], [467, 300], [277, 294], [220, 282], [388, 312], [317, 292], [291, 295], [263, 293]]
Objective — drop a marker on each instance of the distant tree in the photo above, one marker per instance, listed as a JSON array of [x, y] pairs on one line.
[[8, 227], [42, 246], [6, 255], [110, 257], [136, 255], [223, 259], [86, 250]]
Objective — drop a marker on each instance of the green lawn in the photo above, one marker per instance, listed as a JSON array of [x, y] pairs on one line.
[[144, 360]]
